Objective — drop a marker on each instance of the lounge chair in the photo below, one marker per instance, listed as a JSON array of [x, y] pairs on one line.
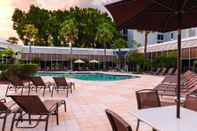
[[117, 122], [157, 71], [147, 98], [32, 105], [39, 83], [175, 72], [170, 71], [61, 83], [16, 84], [191, 102], [163, 71], [5, 110]]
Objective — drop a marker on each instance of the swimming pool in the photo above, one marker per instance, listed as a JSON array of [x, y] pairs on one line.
[[87, 76]]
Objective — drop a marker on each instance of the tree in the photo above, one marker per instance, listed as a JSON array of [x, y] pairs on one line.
[[49, 24], [146, 33], [104, 35], [12, 40], [6, 54], [120, 43], [137, 59], [30, 34], [69, 34], [19, 21], [69, 31]]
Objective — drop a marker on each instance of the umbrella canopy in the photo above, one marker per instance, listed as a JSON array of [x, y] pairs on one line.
[[157, 15], [79, 61], [154, 15], [93, 61]]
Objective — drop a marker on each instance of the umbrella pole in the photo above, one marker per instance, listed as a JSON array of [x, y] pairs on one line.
[[179, 74]]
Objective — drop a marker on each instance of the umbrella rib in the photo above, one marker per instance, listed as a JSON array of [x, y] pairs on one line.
[[191, 8], [184, 4], [163, 13], [163, 5], [167, 21]]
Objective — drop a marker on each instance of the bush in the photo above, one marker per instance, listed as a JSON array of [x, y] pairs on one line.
[[22, 71], [3, 67]]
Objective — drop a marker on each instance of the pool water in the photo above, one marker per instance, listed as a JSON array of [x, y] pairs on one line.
[[87, 76]]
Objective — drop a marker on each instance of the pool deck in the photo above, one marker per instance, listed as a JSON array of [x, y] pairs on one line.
[[86, 106]]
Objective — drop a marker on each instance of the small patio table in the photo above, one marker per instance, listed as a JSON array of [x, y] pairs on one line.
[[164, 118]]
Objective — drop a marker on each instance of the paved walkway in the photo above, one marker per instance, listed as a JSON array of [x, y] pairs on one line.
[[86, 106]]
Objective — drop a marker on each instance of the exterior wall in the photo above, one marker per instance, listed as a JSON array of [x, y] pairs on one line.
[[153, 36]]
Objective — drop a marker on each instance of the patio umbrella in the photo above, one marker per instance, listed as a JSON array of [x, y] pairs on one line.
[[157, 15], [79, 61], [93, 61]]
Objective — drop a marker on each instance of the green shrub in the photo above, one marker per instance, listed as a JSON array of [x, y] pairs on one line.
[[3, 67], [22, 71]]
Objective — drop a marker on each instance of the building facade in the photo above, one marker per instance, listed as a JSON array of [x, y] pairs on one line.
[[157, 37]]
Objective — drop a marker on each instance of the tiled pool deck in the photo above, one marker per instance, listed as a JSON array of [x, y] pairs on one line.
[[86, 106]]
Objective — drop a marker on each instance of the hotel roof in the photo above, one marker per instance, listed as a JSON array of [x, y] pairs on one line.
[[171, 45], [166, 46]]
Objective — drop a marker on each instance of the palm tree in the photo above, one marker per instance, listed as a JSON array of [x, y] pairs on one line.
[[119, 44], [30, 36], [104, 35], [146, 33], [69, 34], [12, 40]]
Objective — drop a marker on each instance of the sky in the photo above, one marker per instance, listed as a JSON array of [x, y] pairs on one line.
[[7, 8]]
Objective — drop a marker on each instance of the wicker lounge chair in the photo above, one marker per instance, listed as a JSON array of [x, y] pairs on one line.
[[147, 98], [191, 102], [117, 123], [168, 86], [32, 106], [62, 84], [39, 83]]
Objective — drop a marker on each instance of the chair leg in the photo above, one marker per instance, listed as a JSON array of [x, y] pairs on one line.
[[52, 91], [22, 91], [6, 93], [73, 85], [138, 124], [44, 91], [13, 120], [29, 115], [29, 89], [57, 117], [36, 89], [47, 121], [67, 92], [4, 122], [65, 106], [71, 91]]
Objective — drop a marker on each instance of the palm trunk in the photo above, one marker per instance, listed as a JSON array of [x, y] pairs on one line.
[[71, 58], [145, 44], [105, 55]]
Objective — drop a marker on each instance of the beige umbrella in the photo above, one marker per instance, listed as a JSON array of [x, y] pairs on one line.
[[79, 61], [93, 61]]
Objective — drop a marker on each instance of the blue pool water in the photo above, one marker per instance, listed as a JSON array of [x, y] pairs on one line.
[[87, 76]]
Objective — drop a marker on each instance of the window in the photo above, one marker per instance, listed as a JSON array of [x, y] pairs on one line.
[[172, 35], [160, 37], [191, 32]]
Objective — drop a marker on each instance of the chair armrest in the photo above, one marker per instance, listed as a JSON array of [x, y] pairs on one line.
[[3, 100]]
